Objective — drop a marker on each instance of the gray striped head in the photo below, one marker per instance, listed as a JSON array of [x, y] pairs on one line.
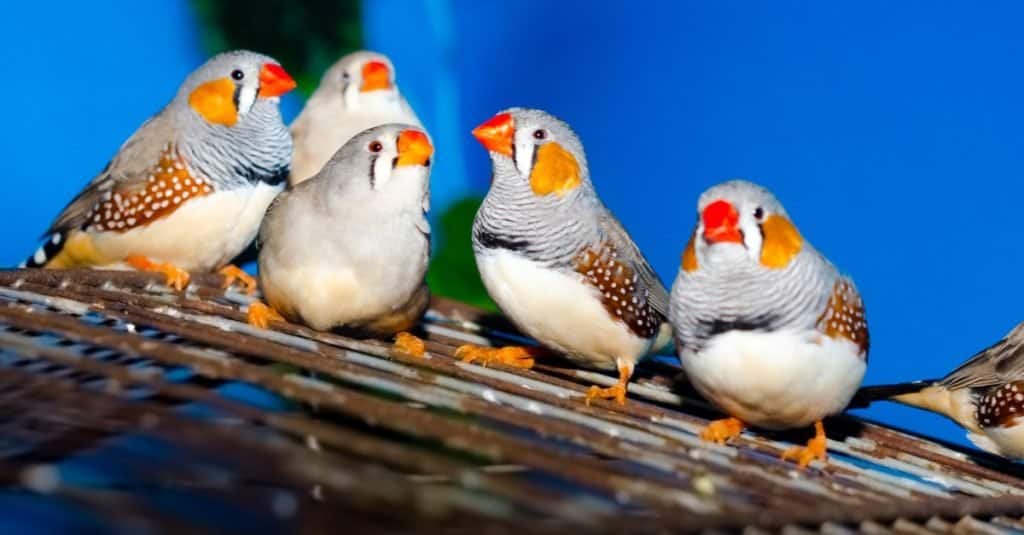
[[747, 265], [541, 201], [227, 121], [740, 222], [225, 89], [533, 151]]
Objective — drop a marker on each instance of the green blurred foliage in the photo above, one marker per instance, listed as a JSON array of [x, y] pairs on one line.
[[305, 36], [453, 270]]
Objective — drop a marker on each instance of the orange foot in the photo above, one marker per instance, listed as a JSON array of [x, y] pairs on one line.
[[261, 315], [409, 344], [515, 356], [816, 448], [232, 273], [720, 431], [616, 391], [176, 277]]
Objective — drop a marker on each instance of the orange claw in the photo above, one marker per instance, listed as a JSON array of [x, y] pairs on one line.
[[409, 344], [816, 448], [720, 431], [616, 391], [261, 315], [233, 273], [515, 356], [175, 277]]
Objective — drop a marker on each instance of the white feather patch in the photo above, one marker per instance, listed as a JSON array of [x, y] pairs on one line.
[[558, 310], [776, 380], [246, 98]]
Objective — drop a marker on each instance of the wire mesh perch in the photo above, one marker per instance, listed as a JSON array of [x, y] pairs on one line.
[[127, 407]]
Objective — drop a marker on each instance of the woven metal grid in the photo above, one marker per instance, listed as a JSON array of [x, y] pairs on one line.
[[140, 408]]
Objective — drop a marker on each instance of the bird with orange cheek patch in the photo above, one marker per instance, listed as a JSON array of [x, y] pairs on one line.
[[985, 396], [766, 328], [555, 259], [188, 190], [358, 92]]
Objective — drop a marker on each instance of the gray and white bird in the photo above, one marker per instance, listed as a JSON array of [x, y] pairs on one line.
[[766, 327], [187, 191], [349, 247], [555, 259], [358, 92], [985, 396]]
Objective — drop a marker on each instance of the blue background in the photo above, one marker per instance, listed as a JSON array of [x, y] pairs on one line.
[[891, 132]]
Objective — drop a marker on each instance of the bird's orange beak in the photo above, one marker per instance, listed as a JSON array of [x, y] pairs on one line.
[[376, 75], [721, 223], [274, 81], [413, 148], [496, 134]]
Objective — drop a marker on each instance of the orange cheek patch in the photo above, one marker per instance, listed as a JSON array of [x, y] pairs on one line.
[[168, 187], [689, 262], [556, 170], [782, 242], [215, 102]]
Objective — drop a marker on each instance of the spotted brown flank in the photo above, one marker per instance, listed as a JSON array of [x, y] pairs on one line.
[[621, 293], [1000, 406], [168, 186], [844, 316]]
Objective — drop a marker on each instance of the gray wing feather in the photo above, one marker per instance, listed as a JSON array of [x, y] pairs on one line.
[[998, 364], [129, 168], [613, 230]]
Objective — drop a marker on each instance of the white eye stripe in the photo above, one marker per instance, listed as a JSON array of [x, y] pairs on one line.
[[246, 98], [382, 168], [524, 149]]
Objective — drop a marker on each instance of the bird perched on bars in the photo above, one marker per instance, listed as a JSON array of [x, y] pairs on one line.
[[985, 395], [356, 93], [766, 327], [349, 247], [555, 259], [187, 191]]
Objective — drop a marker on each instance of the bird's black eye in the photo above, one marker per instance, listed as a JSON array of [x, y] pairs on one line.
[[376, 146], [345, 77], [539, 134], [237, 74], [758, 213]]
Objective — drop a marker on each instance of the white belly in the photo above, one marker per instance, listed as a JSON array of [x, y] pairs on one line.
[[1005, 441], [776, 380], [205, 233], [558, 310], [341, 279], [324, 296]]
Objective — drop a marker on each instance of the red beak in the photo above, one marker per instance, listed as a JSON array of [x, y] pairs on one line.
[[496, 134], [376, 75], [274, 81], [721, 223], [413, 148]]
